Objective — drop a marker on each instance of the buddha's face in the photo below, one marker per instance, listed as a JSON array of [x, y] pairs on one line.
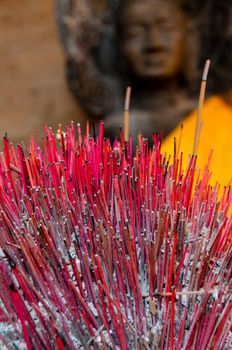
[[152, 37]]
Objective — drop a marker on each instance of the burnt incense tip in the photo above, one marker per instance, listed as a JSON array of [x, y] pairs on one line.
[[206, 70], [127, 99]]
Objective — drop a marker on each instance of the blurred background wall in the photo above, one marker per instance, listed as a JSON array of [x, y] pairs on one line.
[[34, 87], [32, 78]]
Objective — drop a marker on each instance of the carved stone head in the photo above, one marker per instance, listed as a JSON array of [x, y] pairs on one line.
[[152, 38]]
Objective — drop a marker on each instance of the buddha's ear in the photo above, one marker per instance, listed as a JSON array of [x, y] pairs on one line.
[[192, 53]]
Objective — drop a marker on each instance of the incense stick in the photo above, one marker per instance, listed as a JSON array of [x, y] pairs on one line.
[[192, 292], [200, 107], [126, 113]]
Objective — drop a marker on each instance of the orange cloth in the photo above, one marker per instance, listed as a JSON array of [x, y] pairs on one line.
[[216, 134]]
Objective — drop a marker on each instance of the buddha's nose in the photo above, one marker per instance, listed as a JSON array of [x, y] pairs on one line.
[[153, 40]]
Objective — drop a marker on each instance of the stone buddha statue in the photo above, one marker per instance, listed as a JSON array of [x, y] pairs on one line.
[[159, 53], [150, 45]]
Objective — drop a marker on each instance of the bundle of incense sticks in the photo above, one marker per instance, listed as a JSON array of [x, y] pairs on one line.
[[104, 248]]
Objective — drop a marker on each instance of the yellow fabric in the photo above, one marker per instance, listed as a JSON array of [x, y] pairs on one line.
[[216, 134]]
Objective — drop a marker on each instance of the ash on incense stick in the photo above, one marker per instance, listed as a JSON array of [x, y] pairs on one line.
[[101, 248]]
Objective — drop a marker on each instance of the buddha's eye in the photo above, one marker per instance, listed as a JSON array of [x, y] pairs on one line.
[[133, 32], [167, 27]]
